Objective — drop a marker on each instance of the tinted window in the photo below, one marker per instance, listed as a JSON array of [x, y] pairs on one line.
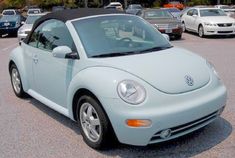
[[195, 12], [51, 34], [8, 12], [190, 12]]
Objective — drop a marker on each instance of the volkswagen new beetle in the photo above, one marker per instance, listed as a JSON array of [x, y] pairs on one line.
[[92, 66]]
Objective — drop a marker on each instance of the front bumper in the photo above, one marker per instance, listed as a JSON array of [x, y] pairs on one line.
[[216, 30], [8, 31], [166, 111], [172, 32]]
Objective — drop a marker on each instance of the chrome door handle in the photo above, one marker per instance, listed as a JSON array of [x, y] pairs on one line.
[[35, 59]]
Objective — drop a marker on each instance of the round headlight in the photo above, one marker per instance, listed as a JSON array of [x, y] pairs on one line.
[[211, 66], [131, 92]]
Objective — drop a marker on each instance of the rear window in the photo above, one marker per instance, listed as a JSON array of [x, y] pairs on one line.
[[8, 12]]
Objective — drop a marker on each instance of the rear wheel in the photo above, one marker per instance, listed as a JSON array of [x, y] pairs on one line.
[[94, 124], [16, 82], [201, 31]]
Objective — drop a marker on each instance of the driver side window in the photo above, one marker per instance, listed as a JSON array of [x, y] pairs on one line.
[[50, 34], [190, 13]]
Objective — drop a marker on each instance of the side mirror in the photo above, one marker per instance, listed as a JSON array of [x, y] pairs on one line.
[[166, 36], [64, 52], [61, 51], [194, 15]]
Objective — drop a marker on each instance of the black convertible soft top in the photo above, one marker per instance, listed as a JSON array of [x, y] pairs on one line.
[[70, 14]]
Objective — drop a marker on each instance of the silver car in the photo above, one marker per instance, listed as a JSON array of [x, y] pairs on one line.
[[28, 25]]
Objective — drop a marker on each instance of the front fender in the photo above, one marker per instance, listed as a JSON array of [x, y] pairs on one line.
[[101, 81], [17, 57]]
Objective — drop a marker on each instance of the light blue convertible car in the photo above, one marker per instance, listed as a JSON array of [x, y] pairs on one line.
[[117, 76]]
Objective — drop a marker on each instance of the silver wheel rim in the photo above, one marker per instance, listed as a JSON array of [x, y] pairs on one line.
[[90, 122], [200, 31], [15, 77]]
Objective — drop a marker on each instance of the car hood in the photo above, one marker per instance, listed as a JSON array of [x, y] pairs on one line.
[[218, 19], [165, 70], [163, 21], [26, 27]]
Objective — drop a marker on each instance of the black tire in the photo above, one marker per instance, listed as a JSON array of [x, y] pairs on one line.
[[107, 136], [201, 31], [177, 37], [184, 27], [20, 93]]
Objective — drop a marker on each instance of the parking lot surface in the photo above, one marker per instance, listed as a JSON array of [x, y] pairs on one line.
[[29, 129]]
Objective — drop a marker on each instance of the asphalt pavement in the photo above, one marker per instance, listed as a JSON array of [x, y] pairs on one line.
[[29, 129]]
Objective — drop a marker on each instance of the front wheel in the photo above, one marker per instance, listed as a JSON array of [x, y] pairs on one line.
[[201, 31], [16, 82], [95, 126]]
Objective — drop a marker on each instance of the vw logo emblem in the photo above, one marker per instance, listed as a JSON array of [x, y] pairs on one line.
[[189, 80]]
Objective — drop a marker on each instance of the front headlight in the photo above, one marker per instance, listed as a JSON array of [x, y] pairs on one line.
[[209, 24], [131, 92], [211, 66]]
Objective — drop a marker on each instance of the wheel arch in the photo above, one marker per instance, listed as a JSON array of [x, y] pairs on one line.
[[16, 57]]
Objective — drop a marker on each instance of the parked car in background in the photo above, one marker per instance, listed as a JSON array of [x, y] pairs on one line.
[[58, 8], [174, 4], [208, 21], [25, 29], [140, 90], [34, 11], [163, 21], [9, 24], [227, 9], [10, 12], [133, 8], [118, 5], [174, 11]]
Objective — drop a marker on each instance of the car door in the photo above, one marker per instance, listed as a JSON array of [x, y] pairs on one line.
[[189, 19], [52, 75], [195, 17]]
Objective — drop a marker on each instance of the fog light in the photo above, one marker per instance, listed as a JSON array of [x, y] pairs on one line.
[[138, 123], [165, 133]]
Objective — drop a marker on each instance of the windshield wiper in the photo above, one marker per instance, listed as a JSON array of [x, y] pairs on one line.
[[130, 52], [112, 54], [155, 49]]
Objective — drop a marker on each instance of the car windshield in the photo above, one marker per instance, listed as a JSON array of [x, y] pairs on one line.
[[225, 7], [32, 19], [34, 11], [9, 18], [135, 7], [173, 10], [8, 12], [212, 12], [155, 14], [117, 35]]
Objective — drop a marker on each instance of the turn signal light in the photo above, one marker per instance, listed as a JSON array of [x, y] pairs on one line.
[[138, 123]]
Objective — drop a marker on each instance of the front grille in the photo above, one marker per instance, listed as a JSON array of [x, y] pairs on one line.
[[225, 31], [7, 24], [225, 25], [185, 128]]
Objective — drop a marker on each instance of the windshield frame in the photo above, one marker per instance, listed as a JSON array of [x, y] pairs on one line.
[[83, 49]]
